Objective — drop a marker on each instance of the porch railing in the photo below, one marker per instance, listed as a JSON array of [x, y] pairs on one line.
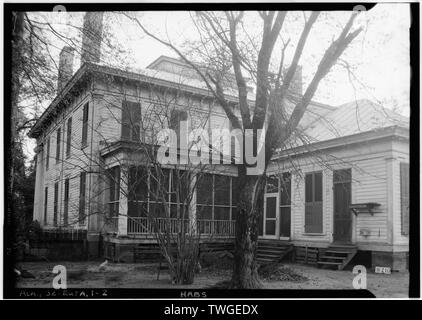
[[143, 225]]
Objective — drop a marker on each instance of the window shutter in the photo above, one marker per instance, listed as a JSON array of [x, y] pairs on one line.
[[404, 197], [85, 125]]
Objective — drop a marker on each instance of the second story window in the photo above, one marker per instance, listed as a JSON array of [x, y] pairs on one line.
[[176, 117], [59, 134], [131, 120], [85, 125], [47, 155], [69, 137]]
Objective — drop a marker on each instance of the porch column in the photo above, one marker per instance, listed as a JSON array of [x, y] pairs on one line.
[[192, 206], [123, 201]]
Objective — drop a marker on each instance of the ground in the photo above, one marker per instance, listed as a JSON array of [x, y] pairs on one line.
[[129, 275]]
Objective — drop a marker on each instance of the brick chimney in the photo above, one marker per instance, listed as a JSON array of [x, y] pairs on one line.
[[65, 67], [91, 37]]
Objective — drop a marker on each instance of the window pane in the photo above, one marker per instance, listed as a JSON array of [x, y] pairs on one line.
[[272, 184], [221, 190], [159, 184], [204, 189], [308, 188], [285, 189], [204, 212], [180, 186], [318, 186], [138, 183], [235, 191], [271, 207], [221, 213], [270, 227], [344, 175]]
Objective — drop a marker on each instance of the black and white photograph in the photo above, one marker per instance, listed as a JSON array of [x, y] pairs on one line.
[[211, 150]]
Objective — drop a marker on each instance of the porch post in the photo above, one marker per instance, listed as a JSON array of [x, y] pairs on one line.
[[192, 209], [123, 201]]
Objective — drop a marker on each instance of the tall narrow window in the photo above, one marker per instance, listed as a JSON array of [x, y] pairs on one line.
[[58, 143], [404, 197], [66, 203], [82, 193], [114, 183], [176, 117], [45, 205], [69, 137], [56, 200], [47, 155], [85, 125], [313, 202], [285, 204], [131, 120]]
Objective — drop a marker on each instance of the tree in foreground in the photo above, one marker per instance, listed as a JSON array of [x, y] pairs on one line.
[[227, 46]]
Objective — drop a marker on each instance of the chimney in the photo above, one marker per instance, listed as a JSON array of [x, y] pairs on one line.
[[91, 37], [65, 67]]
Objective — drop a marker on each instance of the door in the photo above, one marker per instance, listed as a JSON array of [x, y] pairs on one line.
[[271, 214], [342, 199]]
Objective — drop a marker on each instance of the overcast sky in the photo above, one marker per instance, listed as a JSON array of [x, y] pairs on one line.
[[379, 56]]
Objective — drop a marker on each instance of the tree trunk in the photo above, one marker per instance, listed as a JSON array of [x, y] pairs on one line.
[[245, 268]]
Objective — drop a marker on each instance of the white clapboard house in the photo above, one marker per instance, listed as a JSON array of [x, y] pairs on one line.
[[338, 189]]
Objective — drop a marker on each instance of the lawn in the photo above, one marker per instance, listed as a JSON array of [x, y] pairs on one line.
[[130, 275]]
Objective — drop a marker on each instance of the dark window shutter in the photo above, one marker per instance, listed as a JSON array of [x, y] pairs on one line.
[[58, 143], [69, 137], [56, 199], [404, 197], [85, 125], [47, 156], [82, 191], [66, 202], [45, 204], [131, 120]]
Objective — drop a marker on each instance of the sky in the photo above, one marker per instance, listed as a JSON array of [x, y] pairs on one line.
[[379, 56]]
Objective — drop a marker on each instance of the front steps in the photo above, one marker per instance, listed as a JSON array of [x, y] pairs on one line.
[[272, 251], [337, 256]]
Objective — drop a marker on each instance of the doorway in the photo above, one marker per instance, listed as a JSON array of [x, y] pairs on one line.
[[342, 190], [271, 215]]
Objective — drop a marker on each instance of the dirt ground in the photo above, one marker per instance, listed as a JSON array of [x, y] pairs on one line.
[[129, 275]]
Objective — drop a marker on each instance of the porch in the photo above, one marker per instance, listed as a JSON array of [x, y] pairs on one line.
[[144, 227]]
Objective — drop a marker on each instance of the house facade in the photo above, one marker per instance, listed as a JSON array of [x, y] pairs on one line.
[[345, 181]]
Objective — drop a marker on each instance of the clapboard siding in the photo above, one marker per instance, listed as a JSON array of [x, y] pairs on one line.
[[369, 184], [400, 154]]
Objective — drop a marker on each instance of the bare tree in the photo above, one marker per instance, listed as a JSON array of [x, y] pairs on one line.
[[221, 32]]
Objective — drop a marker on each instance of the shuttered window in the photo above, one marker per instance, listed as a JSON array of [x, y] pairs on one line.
[[45, 204], [69, 137], [56, 200], [85, 125], [66, 203], [404, 197], [176, 117], [47, 155], [313, 202], [82, 192], [131, 120], [58, 143]]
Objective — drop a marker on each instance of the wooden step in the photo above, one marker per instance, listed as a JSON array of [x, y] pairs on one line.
[[330, 263], [333, 258], [338, 252]]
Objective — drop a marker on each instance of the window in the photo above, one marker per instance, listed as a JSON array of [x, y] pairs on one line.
[[45, 204], [47, 155], [85, 125], [176, 117], [56, 200], [313, 202], [58, 142], [66, 203], [131, 121], [82, 192], [404, 197], [69, 137], [114, 189]]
